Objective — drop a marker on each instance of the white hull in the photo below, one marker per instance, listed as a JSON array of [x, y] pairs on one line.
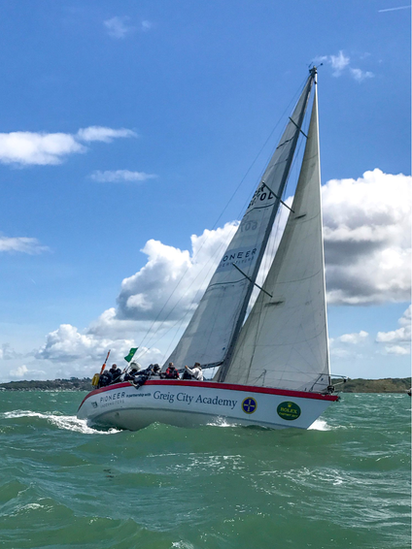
[[191, 403]]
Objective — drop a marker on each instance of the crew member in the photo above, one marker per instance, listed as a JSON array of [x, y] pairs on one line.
[[105, 379], [171, 372], [115, 373], [195, 372], [155, 371], [132, 373]]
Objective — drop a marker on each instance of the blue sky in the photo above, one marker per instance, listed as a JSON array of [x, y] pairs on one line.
[[129, 126]]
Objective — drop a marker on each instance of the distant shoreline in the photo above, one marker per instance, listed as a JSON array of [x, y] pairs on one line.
[[386, 385]]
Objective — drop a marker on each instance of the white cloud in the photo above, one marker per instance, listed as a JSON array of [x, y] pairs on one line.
[[21, 244], [367, 238], [398, 341], [349, 350], [108, 326], [8, 353], [361, 75], [353, 339], [397, 350], [37, 148], [88, 349], [339, 352], [119, 176], [349, 346], [26, 372], [66, 343], [118, 27], [21, 371], [340, 64], [395, 9], [31, 148], [100, 133], [172, 281]]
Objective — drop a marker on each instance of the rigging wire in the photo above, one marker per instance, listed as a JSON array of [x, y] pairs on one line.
[[181, 321]]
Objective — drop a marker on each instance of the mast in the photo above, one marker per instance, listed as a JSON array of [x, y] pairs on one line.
[[221, 375]]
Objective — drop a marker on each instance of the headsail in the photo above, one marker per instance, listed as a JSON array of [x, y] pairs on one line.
[[284, 342], [215, 325]]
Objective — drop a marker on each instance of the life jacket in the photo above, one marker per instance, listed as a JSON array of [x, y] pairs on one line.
[[171, 373], [105, 379], [115, 374]]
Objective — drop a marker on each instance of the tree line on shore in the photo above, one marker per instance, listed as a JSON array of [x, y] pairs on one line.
[[386, 385]]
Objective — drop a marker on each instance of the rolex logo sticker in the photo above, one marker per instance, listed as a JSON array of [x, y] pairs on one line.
[[288, 410]]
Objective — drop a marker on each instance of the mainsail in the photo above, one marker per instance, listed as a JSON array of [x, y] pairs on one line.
[[284, 341], [211, 333]]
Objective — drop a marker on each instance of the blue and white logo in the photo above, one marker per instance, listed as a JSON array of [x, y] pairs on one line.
[[249, 405]]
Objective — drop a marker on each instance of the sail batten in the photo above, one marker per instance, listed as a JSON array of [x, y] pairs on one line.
[[211, 333]]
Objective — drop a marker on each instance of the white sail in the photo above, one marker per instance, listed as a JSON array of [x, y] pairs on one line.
[[220, 314], [284, 342]]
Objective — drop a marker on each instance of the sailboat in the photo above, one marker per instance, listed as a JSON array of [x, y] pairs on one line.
[[272, 369]]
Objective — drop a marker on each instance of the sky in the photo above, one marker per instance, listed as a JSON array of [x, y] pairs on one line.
[[132, 136]]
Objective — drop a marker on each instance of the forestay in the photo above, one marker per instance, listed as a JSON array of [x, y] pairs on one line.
[[284, 342], [220, 314]]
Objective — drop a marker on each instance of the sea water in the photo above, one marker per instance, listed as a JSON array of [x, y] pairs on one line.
[[345, 483]]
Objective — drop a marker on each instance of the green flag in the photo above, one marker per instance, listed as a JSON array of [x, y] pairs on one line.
[[132, 351]]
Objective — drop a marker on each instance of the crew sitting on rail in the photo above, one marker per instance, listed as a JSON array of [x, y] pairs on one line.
[[195, 372], [115, 372], [142, 376], [155, 370], [105, 379], [133, 371], [171, 372]]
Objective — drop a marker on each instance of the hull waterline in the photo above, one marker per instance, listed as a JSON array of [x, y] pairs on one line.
[[191, 404]]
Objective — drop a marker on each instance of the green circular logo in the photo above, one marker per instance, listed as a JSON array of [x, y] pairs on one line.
[[288, 410]]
